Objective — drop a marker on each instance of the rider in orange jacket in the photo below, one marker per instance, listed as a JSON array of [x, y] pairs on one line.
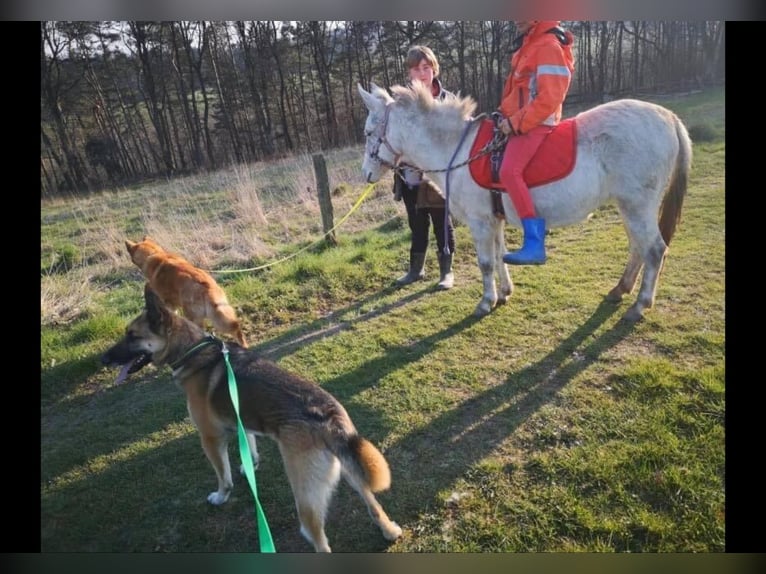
[[531, 105]]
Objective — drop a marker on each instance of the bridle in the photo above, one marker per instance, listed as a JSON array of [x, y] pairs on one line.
[[380, 131]]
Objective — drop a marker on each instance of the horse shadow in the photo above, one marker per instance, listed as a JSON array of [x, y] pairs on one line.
[[460, 438], [301, 335], [454, 441]]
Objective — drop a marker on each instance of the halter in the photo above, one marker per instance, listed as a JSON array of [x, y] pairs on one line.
[[380, 131]]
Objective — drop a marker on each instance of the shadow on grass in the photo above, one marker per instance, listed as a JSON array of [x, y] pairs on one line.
[[168, 484], [58, 381], [156, 502], [331, 324], [149, 399], [435, 456]]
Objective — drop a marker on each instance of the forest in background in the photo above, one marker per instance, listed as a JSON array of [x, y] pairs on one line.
[[123, 102]]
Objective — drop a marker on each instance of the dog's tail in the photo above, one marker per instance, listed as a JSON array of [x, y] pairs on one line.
[[362, 459]]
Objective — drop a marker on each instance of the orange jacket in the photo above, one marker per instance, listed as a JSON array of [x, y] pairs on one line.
[[537, 84]]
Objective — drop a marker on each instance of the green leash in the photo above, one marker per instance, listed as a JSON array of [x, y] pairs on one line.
[[264, 534]]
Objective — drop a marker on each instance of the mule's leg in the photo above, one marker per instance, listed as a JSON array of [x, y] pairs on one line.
[[484, 242], [653, 261], [648, 247], [313, 475], [391, 530], [628, 280], [504, 276]]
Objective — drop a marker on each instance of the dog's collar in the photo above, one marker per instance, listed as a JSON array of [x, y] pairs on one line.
[[194, 349]]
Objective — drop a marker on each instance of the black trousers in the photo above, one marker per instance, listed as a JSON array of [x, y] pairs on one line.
[[420, 220]]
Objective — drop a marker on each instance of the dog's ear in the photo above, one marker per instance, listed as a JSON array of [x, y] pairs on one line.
[[130, 246], [156, 312]]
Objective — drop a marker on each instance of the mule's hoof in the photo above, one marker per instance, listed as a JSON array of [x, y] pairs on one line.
[[633, 315], [482, 309], [614, 296]]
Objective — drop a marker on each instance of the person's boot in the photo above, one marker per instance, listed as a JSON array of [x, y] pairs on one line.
[[417, 269], [447, 278], [532, 252]]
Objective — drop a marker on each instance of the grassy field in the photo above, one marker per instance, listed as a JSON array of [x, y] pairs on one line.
[[548, 426]]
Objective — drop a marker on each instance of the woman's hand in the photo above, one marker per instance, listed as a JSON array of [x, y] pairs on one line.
[[506, 127]]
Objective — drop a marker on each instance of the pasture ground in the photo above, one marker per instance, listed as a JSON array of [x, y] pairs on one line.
[[548, 426]]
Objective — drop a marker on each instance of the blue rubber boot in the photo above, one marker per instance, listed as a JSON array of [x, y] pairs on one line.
[[533, 250]]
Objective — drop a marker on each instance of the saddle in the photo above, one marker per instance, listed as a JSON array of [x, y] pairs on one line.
[[554, 160]]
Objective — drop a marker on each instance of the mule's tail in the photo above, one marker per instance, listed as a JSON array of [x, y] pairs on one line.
[[362, 459], [670, 211]]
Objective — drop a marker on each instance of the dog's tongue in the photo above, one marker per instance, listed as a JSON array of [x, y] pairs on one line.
[[124, 372]]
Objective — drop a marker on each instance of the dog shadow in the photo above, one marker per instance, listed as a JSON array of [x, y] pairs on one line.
[[125, 411], [471, 431], [467, 434]]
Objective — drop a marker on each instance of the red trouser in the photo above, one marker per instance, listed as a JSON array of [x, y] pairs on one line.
[[518, 152]]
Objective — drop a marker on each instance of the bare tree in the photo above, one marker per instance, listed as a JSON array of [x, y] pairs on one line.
[[124, 100], [53, 86], [185, 92]]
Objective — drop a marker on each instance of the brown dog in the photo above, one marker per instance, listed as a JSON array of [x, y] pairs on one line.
[[181, 285], [317, 439]]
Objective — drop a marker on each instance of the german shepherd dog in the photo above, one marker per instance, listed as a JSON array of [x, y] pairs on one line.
[[181, 285], [317, 439]]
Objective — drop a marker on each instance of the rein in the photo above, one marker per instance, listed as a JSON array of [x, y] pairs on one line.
[[446, 191], [497, 142], [494, 144]]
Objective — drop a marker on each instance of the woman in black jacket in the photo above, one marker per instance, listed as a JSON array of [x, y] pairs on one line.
[[424, 208]]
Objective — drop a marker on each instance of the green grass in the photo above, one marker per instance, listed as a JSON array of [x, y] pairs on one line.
[[548, 426]]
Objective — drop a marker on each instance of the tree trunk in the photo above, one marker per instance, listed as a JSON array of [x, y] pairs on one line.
[[153, 97]]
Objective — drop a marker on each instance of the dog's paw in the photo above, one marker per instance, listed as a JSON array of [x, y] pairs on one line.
[[217, 498], [394, 532]]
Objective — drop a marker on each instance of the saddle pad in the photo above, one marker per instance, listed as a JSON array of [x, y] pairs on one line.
[[554, 160]]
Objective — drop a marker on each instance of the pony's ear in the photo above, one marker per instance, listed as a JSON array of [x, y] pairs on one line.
[[373, 104]]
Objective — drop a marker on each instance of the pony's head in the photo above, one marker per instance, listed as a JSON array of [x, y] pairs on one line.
[[378, 152], [391, 120]]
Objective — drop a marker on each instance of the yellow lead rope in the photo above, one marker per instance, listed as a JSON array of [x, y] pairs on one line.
[[344, 218]]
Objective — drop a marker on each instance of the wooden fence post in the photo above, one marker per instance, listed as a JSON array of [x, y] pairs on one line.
[[323, 194]]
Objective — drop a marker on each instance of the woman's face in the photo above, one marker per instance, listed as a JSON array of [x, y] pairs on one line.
[[423, 72]]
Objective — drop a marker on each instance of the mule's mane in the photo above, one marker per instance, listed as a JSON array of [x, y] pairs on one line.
[[418, 98]]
